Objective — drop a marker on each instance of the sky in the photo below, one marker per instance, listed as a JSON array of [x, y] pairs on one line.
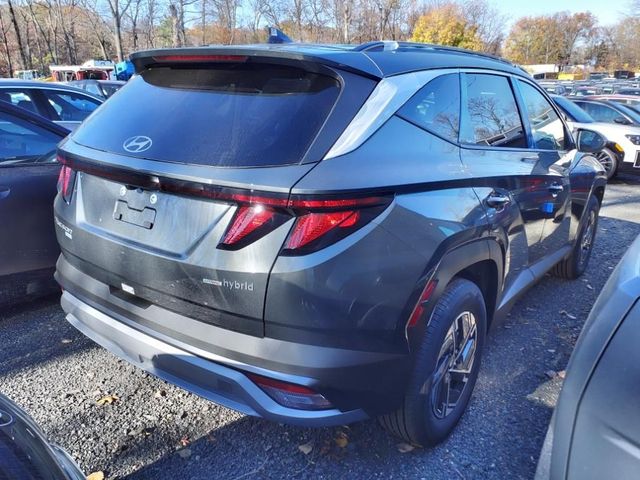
[[607, 11]]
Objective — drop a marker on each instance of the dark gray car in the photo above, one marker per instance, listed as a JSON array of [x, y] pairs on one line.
[[28, 175], [320, 234], [595, 430], [25, 453]]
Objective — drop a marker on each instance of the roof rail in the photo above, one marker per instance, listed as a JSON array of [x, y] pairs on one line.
[[388, 45]]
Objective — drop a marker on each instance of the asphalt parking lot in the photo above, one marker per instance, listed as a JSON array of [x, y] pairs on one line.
[[147, 429]]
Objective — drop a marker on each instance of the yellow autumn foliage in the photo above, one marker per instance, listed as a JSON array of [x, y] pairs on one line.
[[445, 25]]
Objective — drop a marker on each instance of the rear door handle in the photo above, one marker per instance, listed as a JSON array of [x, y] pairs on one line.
[[4, 192], [497, 200]]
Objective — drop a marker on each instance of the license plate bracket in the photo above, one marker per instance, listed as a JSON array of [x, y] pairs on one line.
[[144, 218]]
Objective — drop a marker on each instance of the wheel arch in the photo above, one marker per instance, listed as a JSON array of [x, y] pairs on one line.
[[481, 262]]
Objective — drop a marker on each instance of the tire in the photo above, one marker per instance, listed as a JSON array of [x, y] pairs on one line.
[[609, 161], [576, 263], [423, 419]]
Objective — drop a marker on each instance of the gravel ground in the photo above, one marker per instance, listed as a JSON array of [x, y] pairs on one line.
[[156, 431]]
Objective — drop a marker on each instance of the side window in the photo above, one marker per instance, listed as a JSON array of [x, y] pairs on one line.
[[24, 142], [70, 106], [92, 88], [600, 113], [436, 107], [492, 113], [19, 98], [546, 126]]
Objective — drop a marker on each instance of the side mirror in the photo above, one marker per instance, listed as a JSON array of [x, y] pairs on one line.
[[590, 141], [621, 121]]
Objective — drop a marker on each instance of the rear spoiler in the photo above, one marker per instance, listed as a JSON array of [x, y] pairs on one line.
[[309, 57]]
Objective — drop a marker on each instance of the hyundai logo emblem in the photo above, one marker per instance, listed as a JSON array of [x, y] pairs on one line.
[[137, 144]]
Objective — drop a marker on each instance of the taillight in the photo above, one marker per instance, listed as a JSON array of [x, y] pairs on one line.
[[250, 223], [418, 310], [66, 180], [318, 222], [291, 395]]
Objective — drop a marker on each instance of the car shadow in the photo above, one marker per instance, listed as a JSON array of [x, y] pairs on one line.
[[36, 332]]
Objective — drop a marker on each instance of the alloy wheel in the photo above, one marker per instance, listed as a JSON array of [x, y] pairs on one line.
[[607, 160], [454, 365]]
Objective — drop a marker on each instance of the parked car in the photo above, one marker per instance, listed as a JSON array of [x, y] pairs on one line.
[[623, 145], [629, 91], [585, 91], [587, 438], [100, 88], [67, 106], [316, 235], [28, 173], [628, 101], [25, 453], [609, 112]]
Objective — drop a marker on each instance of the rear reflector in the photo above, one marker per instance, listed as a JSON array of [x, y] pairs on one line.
[[291, 395], [418, 310], [200, 58]]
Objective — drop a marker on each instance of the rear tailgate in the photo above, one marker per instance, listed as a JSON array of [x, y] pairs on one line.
[[169, 168]]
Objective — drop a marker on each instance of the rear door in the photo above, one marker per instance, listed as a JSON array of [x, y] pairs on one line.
[[496, 149], [188, 207], [28, 174]]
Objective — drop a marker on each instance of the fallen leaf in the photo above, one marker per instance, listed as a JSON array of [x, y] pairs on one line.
[[66, 340], [160, 394], [562, 374], [405, 447], [550, 373], [107, 400], [341, 440], [567, 314], [306, 448], [589, 287], [184, 441], [96, 476], [184, 453]]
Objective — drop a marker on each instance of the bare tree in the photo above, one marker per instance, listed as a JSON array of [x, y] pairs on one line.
[[18, 33], [118, 10], [5, 43]]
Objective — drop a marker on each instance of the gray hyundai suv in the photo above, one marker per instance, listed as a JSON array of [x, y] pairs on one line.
[[320, 234]]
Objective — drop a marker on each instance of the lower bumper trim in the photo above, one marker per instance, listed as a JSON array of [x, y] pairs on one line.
[[213, 381]]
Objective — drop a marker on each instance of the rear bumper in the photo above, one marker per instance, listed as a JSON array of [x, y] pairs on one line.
[[211, 361], [216, 382]]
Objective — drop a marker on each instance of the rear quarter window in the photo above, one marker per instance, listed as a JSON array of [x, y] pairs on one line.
[[229, 115], [436, 107]]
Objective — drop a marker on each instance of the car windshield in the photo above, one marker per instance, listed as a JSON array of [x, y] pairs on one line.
[[635, 116], [110, 88], [574, 112]]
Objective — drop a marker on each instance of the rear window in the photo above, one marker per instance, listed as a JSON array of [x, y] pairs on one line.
[[231, 115]]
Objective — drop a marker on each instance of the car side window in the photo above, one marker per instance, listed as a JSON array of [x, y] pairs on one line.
[[19, 98], [24, 142], [71, 106], [436, 107], [492, 113], [546, 127], [601, 113], [92, 88]]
